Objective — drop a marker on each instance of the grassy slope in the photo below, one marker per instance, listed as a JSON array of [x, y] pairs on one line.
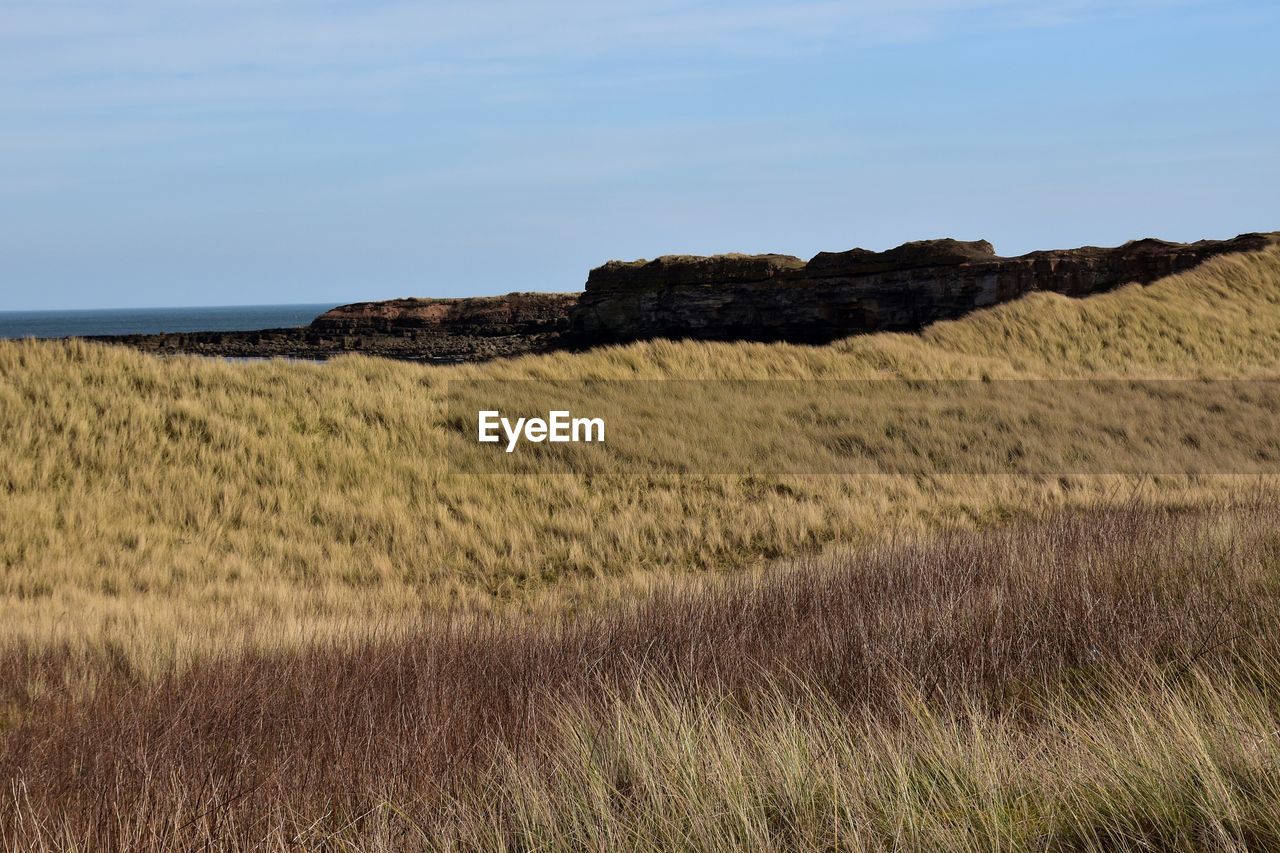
[[1098, 680], [162, 507]]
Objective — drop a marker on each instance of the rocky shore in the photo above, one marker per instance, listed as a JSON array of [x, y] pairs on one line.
[[439, 331], [721, 297]]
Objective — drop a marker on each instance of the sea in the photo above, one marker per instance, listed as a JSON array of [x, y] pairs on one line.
[[147, 321]]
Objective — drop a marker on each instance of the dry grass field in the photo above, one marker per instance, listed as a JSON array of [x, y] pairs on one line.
[[159, 508], [271, 605], [1100, 680]]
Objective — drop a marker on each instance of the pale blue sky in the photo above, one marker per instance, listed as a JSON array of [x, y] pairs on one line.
[[227, 152]]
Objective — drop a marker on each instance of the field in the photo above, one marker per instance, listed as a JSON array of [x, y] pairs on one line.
[[1101, 679], [277, 604]]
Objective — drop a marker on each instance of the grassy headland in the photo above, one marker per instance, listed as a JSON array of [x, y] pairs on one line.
[[282, 605]]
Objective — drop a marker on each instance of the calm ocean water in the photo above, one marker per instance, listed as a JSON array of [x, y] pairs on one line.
[[131, 321]]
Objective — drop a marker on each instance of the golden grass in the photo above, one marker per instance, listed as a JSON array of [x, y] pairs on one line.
[[161, 508], [1184, 768], [1097, 680], [1176, 767]]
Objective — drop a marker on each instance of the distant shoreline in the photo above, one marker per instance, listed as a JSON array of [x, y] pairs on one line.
[[257, 332], [115, 322], [309, 344]]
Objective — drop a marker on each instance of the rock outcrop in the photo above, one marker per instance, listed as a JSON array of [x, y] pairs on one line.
[[441, 331], [492, 316], [723, 297], [779, 297]]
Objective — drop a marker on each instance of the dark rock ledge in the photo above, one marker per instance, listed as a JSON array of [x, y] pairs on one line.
[[440, 331]]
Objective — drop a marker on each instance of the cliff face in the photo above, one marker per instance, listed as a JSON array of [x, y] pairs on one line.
[[779, 297]]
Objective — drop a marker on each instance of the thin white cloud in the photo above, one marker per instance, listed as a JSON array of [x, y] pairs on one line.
[[67, 41], [88, 74]]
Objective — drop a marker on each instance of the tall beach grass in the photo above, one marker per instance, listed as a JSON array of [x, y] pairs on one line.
[[1105, 679]]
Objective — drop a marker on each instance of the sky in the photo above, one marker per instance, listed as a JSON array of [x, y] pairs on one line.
[[220, 152]]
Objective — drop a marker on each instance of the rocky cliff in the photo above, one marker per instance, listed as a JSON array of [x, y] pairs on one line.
[[780, 297], [723, 297]]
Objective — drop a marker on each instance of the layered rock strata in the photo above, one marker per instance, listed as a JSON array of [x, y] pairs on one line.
[[780, 297]]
